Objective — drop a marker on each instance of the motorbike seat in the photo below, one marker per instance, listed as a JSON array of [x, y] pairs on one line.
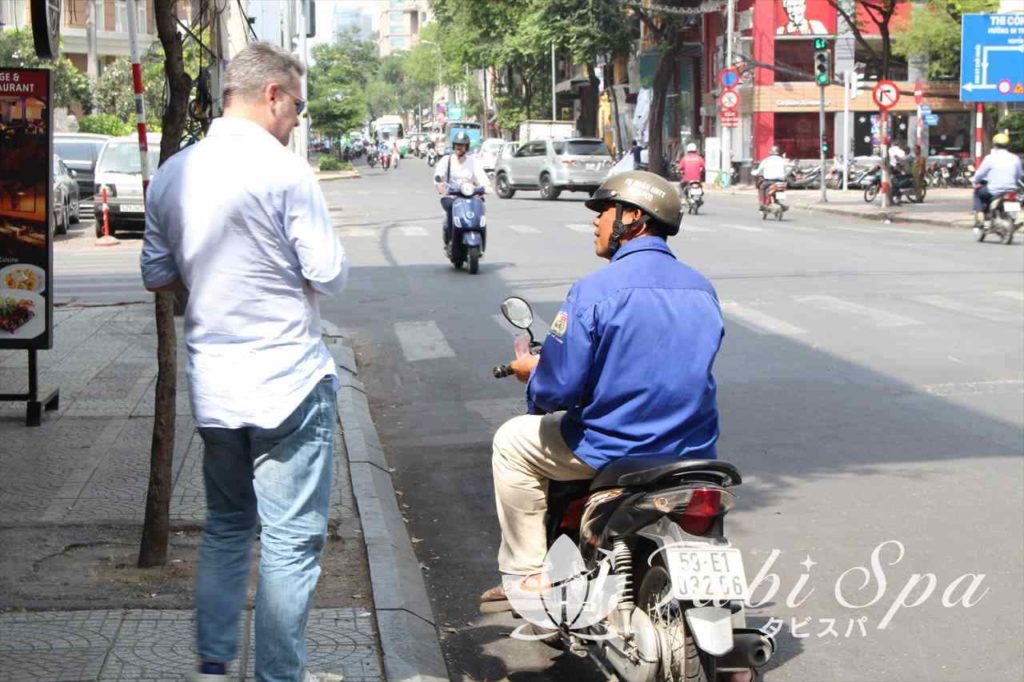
[[640, 472]]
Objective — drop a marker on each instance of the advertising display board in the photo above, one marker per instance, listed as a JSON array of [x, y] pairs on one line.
[[26, 186]]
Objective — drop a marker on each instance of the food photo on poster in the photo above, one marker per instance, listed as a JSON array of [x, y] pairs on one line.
[[25, 221]]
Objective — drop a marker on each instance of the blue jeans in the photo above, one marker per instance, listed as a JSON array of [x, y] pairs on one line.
[[279, 479]]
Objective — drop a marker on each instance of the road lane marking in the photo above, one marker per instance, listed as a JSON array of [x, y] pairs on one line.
[[880, 318], [422, 341], [413, 231], [1015, 295], [760, 322], [356, 232], [967, 308], [974, 387], [581, 227], [524, 229], [686, 227], [745, 228]]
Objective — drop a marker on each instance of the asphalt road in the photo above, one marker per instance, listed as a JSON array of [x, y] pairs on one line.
[[870, 388]]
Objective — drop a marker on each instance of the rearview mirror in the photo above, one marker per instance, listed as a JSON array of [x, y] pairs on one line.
[[517, 311]]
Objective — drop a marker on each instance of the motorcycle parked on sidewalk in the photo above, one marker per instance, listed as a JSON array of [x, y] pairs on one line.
[[803, 178], [1003, 217], [902, 188], [776, 202], [661, 585], [468, 235], [693, 196]]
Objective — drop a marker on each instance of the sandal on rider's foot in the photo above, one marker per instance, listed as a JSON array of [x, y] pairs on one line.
[[494, 600]]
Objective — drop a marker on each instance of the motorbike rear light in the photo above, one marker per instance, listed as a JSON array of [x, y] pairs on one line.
[[694, 509], [1011, 196], [573, 514]]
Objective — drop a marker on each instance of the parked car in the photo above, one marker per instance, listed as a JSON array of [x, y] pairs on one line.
[[576, 164], [80, 151], [489, 153], [66, 205], [119, 170]]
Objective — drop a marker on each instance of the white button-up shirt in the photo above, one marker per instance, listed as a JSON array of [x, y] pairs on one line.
[[242, 222]]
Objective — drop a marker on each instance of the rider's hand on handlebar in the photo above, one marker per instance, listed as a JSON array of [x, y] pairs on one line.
[[524, 366], [441, 188]]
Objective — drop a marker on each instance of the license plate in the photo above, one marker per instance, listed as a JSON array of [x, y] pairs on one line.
[[132, 208], [697, 192], [1012, 206], [592, 166], [707, 573], [781, 196]]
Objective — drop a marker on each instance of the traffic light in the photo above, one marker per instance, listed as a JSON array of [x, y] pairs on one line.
[[822, 59]]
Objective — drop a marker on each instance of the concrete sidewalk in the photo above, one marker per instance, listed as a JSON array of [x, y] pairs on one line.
[[942, 207], [72, 495]]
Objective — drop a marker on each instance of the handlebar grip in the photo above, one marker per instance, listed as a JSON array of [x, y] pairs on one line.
[[502, 371]]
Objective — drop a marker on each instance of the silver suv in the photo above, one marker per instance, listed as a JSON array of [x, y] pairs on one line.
[[577, 164]]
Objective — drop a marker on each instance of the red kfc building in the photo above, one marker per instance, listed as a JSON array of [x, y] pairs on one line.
[[779, 101]]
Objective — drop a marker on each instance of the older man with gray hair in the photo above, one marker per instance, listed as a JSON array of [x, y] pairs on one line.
[[240, 222]]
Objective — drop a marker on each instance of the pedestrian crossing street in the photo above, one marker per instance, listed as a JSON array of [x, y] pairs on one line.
[[810, 318]]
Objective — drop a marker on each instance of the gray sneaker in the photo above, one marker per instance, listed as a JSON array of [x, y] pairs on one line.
[[323, 677]]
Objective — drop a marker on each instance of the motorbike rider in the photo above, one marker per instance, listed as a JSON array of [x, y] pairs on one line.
[[458, 167], [601, 388], [772, 169], [998, 174], [691, 165]]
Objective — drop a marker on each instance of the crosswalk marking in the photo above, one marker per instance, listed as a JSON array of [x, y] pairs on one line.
[[760, 322], [1015, 295], [422, 340], [356, 232], [523, 229], [745, 228], [967, 308], [580, 227], [880, 318], [413, 231]]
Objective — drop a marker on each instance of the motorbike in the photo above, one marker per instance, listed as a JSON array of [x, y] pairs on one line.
[[371, 157], [431, 155], [693, 196], [902, 188], [469, 226], [385, 159], [776, 204], [803, 178], [653, 529], [1003, 217]]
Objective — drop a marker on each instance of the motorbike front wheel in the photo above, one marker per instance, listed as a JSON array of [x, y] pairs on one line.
[[870, 193], [681, 660], [474, 261]]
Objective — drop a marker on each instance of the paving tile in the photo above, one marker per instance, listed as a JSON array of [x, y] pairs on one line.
[[55, 646]]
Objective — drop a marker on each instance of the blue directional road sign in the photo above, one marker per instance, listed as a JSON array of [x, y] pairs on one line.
[[992, 58], [931, 120]]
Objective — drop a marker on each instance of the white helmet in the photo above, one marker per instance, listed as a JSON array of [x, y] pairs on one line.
[[691, 148]]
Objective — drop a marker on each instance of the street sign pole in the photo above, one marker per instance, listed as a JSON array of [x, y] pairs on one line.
[[726, 172], [846, 131], [886, 178], [979, 129]]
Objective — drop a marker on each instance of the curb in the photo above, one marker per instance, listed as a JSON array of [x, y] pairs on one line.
[[337, 175], [882, 217], [405, 619]]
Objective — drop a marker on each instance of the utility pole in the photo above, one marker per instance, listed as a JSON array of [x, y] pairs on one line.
[[849, 87], [92, 63], [554, 113], [726, 171], [302, 147]]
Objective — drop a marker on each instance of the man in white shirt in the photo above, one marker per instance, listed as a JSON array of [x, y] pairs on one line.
[[458, 167], [240, 222], [772, 169]]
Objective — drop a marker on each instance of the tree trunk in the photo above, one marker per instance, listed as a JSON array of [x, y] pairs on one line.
[[589, 105], [659, 96], [156, 526]]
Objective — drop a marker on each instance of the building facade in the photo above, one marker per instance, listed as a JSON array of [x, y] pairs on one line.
[[400, 23]]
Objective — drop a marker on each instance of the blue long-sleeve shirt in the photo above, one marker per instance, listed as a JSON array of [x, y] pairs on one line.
[[1001, 170], [629, 357]]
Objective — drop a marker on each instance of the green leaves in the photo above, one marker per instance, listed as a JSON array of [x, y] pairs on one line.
[[70, 86], [338, 85], [933, 34]]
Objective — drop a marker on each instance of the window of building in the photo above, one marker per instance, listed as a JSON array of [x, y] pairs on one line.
[[797, 134], [797, 58], [121, 16], [398, 41]]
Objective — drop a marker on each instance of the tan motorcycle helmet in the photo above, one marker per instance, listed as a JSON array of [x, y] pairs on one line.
[[652, 194]]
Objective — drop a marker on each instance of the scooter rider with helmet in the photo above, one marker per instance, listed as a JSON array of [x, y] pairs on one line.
[[691, 165], [772, 169], [998, 174], [601, 388], [457, 167]]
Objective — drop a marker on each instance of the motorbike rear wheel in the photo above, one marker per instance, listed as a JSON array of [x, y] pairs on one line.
[[681, 660], [870, 193]]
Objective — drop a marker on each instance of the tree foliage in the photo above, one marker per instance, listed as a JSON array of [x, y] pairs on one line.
[[70, 86], [339, 85], [933, 34], [1013, 124], [880, 15], [114, 93]]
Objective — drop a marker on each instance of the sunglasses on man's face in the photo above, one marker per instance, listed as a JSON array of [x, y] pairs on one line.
[[300, 104]]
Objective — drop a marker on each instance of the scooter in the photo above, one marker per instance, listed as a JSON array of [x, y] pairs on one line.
[[776, 203], [371, 157], [803, 178], [385, 160], [469, 226], [431, 156], [693, 196], [651, 589], [902, 188], [1002, 218]]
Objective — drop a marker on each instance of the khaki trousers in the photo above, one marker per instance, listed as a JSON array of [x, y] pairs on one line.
[[528, 452]]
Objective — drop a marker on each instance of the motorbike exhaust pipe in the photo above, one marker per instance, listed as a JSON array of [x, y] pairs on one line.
[[751, 649]]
